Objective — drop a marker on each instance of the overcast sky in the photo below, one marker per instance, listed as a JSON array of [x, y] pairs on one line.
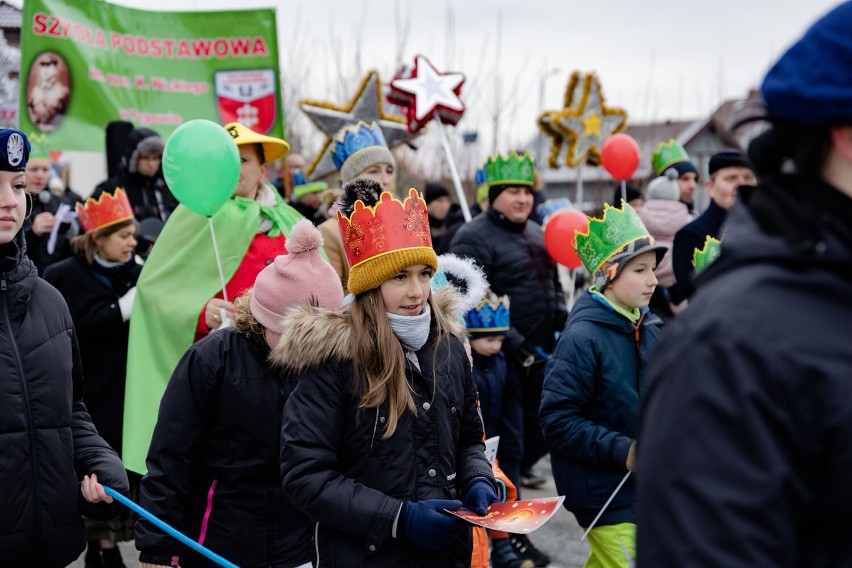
[[658, 59]]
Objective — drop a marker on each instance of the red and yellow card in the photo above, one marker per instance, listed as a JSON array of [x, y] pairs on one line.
[[514, 516]]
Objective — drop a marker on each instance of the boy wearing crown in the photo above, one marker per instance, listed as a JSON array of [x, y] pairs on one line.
[[593, 380]]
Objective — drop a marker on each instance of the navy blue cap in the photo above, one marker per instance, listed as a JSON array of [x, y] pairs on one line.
[[14, 150], [812, 81], [729, 158]]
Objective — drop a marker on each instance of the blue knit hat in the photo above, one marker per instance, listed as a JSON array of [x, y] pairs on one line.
[[812, 82], [14, 150]]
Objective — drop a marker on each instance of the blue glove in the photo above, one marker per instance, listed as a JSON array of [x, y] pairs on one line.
[[425, 525], [479, 495]]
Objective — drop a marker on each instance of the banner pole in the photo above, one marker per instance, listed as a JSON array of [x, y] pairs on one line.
[[456, 180], [601, 512]]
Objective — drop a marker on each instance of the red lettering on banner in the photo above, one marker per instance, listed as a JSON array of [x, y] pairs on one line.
[[114, 40], [259, 47], [54, 25], [240, 45], [183, 50], [100, 41], [169, 43], [40, 23], [220, 47], [156, 48], [201, 47]]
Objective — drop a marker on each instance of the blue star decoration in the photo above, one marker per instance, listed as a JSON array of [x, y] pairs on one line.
[[586, 127], [365, 106]]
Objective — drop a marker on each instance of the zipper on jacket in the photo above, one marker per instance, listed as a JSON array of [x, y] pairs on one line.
[[207, 511], [31, 432], [637, 337], [316, 543]]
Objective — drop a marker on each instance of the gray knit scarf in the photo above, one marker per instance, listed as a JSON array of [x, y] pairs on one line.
[[412, 331]]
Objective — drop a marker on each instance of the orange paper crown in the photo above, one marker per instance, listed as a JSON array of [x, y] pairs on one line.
[[107, 210], [382, 239]]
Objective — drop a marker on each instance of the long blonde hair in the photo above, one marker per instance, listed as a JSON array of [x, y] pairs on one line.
[[379, 358]]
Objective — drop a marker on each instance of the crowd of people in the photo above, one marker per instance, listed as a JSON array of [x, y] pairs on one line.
[[317, 390]]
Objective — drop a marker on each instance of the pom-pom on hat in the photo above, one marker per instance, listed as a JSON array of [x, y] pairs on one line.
[[382, 235], [611, 242], [14, 150], [664, 187], [811, 82], [357, 147], [301, 277], [273, 148]]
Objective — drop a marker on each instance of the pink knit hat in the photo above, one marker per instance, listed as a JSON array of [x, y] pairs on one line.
[[301, 277]]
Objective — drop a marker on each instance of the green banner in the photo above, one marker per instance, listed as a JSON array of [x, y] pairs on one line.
[[85, 63]]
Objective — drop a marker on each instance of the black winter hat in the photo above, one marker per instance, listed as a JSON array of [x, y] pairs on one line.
[[433, 191]]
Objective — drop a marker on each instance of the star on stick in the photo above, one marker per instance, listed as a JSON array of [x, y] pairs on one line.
[[589, 125], [366, 105], [430, 92], [573, 94]]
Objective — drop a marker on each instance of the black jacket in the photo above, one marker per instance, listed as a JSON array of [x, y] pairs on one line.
[[213, 463], [339, 470], [516, 263], [37, 244], [691, 237], [47, 440], [149, 197], [745, 427], [92, 294]]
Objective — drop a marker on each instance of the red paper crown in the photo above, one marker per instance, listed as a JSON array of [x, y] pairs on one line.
[[387, 226], [107, 210]]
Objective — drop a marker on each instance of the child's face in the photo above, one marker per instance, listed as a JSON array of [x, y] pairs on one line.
[[406, 293], [487, 346], [635, 285]]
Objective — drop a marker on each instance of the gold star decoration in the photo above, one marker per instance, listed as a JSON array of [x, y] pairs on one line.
[[584, 128]]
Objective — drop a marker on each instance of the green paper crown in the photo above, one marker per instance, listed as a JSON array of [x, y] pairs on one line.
[[38, 145], [666, 155], [514, 170], [605, 237], [703, 258]]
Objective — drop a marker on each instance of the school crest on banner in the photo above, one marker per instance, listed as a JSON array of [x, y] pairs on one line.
[[247, 97]]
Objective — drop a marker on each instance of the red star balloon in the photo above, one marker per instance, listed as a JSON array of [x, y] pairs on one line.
[[426, 93]]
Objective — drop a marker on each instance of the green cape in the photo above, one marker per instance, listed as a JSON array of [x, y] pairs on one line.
[[178, 278]]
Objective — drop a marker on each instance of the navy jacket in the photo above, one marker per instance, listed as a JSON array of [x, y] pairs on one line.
[[690, 237], [590, 404], [745, 447]]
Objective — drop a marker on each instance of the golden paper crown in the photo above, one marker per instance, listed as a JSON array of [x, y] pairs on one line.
[[381, 240], [107, 210]]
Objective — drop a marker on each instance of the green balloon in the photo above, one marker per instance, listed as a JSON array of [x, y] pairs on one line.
[[201, 165]]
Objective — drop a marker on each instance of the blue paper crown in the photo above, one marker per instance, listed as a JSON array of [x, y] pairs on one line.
[[490, 317], [354, 138]]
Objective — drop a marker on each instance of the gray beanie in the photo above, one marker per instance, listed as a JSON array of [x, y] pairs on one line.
[[363, 159], [664, 187], [149, 145]]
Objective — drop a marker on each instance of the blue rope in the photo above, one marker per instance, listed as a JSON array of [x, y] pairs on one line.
[[171, 531]]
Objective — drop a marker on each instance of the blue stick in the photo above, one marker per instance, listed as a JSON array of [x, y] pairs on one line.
[[171, 531]]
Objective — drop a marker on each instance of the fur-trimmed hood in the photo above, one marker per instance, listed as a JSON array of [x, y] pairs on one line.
[[313, 336]]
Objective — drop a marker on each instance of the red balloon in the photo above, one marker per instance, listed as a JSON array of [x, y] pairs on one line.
[[620, 156], [559, 236]]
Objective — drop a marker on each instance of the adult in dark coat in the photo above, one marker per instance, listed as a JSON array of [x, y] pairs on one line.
[[510, 249], [141, 176], [744, 446], [728, 170], [42, 218], [47, 438]]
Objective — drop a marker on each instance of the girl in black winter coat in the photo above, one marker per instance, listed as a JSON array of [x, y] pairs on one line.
[[47, 438], [213, 464], [382, 433], [98, 283]]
